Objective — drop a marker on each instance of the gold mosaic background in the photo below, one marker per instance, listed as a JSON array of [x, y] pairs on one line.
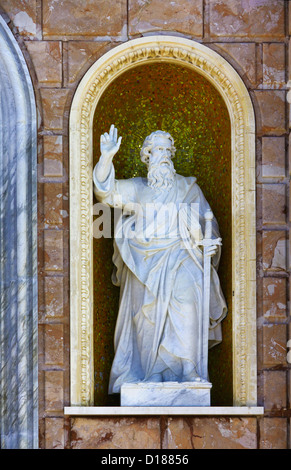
[[180, 101]]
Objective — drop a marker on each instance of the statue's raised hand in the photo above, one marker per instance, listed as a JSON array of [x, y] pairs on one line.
[[109, 144]]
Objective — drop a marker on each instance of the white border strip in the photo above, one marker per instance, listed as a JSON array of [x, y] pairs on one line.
[[164, 410]]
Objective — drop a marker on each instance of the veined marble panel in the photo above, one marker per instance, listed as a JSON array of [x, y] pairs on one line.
[[18, 249], [165, 394]]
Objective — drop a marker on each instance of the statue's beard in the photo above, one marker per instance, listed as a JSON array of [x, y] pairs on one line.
[[161, 175]]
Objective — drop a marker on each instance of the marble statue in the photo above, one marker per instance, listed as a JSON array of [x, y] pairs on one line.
[[165, 265]]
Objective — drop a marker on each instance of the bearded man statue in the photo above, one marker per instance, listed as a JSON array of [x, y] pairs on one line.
[[158, 264]]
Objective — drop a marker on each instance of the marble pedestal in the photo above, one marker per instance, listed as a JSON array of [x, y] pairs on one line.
[[165, 394]]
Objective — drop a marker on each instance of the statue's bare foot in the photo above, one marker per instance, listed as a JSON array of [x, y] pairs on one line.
[[193, 377]]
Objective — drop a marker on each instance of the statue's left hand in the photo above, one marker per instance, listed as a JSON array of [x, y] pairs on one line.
[[211, 246], [211, 250]]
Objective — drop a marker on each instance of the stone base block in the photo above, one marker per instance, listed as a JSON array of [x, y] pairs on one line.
[[165, 394]]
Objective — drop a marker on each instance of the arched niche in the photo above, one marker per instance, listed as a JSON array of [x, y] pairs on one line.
[[18, 249], [179, 100], [214, 69]]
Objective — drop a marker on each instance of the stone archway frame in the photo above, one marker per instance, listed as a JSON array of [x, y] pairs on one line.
[[225, 79]]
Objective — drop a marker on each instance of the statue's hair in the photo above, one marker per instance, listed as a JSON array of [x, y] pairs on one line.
[[148, 145]]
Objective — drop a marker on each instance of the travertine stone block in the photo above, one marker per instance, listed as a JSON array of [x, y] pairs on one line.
[[24, 16], [119, 433], [210, 433], [289, 52], [47, 60], [243, 58], [54, 433], [274, 66], [53, 295], [273, 433], [54, 390], [273, 157], [274, 204], [289, 253], [53, 102], [83, 18], [53, 250], [275, 394], [81, 55], [271, 112], [53, 156], [54, 344], [184, 16], [53, 204], [274, 250], [274, 344], [289, 150], [274, 298], [247, 19]]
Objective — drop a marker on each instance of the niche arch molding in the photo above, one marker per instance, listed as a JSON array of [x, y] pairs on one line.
[[225, 79]]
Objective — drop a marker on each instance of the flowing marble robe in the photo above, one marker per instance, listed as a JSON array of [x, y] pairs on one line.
[[159, 322]]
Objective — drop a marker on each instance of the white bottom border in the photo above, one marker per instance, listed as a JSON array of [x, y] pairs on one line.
[[164, 410]]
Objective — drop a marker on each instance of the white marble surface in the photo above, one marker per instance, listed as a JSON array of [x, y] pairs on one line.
[[166, 394], [166, 320], [164, 410], [18, 250]]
